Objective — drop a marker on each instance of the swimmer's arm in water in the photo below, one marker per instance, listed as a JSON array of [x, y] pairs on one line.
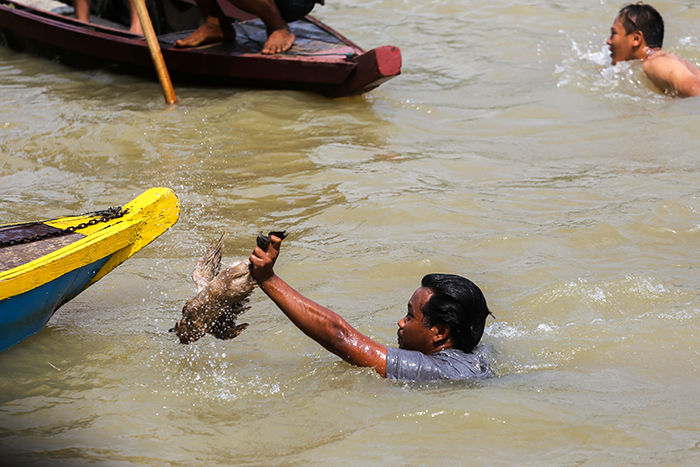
[[319, 323], [672, 74]]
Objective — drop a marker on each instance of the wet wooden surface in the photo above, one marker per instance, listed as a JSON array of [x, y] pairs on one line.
[[17, 255]]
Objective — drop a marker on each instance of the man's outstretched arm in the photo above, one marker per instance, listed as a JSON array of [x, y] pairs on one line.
[[319, 323]]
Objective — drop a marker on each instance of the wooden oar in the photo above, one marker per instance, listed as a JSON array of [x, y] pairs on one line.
[[156, 54]]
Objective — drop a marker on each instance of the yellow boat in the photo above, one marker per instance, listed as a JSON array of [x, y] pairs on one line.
[[45, 264]]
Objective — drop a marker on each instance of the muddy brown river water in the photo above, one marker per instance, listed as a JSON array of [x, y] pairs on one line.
[[508, 151]]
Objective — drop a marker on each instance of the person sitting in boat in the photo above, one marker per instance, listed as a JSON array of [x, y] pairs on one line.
[[82, 12], [637, 34], [437, 338], [274, 13]]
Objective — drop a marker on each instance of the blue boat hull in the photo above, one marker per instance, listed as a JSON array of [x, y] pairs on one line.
[[26, 314]]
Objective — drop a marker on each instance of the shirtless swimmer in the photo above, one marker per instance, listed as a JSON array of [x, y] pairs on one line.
[[637, 34]]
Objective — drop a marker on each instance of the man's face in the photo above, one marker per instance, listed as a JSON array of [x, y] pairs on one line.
[[620, 43], [413, 335]]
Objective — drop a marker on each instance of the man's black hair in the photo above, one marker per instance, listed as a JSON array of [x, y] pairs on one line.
[[644, 18], [458, 302]]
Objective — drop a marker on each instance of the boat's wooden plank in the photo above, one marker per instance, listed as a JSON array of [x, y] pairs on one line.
[[16, 255], [251, 36]]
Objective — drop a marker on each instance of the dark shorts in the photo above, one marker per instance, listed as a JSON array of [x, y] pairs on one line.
[[293, 10]]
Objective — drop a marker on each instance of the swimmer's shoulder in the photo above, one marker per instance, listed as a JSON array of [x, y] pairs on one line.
[[672, 74]]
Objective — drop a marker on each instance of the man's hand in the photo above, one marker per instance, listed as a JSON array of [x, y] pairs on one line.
[[264, 261]]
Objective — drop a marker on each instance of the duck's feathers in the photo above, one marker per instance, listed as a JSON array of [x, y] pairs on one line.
[[209, 265]]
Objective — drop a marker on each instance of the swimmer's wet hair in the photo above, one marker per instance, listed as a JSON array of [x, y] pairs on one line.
[[458, 302], [644, 18]]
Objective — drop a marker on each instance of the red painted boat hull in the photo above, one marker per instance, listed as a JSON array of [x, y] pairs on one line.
[[333, 67]]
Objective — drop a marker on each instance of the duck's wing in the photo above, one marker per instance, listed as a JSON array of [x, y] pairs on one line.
[[209, 265]]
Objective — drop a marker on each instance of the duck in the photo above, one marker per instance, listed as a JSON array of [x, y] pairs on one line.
[[222, 295]]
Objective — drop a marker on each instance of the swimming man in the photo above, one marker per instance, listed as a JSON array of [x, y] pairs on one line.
[[437, 337], [637, 34]]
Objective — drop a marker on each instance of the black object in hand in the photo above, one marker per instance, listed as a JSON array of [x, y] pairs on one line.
[[264, 240]]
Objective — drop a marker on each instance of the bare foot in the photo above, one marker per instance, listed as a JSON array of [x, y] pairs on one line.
[[278, 41], [208, 33]]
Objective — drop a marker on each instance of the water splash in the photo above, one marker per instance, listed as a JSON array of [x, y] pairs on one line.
[[587, 66]]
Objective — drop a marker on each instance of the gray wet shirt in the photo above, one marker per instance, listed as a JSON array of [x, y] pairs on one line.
[[411, 365]]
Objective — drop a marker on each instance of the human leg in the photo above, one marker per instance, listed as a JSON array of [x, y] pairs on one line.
[[82, 10], [135, 27]]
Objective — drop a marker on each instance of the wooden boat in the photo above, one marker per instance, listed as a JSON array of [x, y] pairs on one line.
[[45, 264], [321, 60]]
